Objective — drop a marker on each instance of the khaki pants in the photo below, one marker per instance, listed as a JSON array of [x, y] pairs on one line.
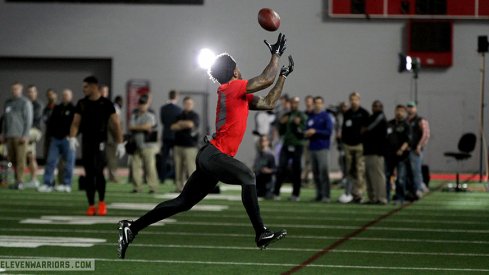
[[375, 174], [144, 159], [184, 164], [17, 155], [355, 167]]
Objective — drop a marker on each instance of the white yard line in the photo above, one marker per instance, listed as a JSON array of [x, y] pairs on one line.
[[279, 209], [295, 218], [220, 235], [320, 226], [272, 264], [274, 217], [306, 250]]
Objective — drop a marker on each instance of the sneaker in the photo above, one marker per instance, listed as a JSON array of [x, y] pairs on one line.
[[424, 188], [102, 209], [91, 210], [277, 198], [60, 188], [268, 237], [125, 237], [356, 200], [45, 189], [345, 198], [294, 198], [17, 186], [67, 189], [32, 184], [325, 200]]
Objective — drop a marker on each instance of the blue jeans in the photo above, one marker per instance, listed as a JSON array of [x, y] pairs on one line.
[[415, 162], [401, 167], [57, 148]]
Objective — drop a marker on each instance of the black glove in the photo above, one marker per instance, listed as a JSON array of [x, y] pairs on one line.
[[279, 47], [286, 70]]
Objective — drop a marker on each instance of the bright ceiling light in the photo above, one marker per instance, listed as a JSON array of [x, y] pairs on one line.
[[206, 58]]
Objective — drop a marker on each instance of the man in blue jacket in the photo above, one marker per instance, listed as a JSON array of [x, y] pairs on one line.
[[319, 128]]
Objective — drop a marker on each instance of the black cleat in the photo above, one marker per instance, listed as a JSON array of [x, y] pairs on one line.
[[267, 237], [125, 237]]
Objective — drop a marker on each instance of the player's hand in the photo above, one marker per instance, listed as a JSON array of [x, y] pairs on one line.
[[279, 47], [121, 150], [286, 70], [73, 143], [310, 132]]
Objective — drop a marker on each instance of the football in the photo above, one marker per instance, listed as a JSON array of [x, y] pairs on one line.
[[269, 19]]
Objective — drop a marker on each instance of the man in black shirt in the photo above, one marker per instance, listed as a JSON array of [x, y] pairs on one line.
[[186, 138], [397, 152], [374, 137], [59, 125], [168, 115], [353, 121], [92, 116]]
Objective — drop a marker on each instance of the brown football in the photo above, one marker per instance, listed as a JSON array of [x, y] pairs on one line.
[[269, 19]]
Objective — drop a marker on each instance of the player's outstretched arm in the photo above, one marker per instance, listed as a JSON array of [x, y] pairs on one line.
[[266, 78], [268, 102]]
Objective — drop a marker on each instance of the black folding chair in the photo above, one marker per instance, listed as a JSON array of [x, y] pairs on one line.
[[466, 145]]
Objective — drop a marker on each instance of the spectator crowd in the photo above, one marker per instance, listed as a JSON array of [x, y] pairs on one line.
[[376, 155], [380, 160]]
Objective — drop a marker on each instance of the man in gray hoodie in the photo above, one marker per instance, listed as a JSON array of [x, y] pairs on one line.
[[17, 122]]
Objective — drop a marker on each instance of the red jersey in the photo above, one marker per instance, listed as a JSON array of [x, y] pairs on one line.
[[231, 116]]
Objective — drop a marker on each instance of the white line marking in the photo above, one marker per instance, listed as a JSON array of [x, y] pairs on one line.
[[220, 235], [272, 264], [326, 209], [149, 206], [37, 241], [274, 217], [83, 220], [308, 250], [169, 196]]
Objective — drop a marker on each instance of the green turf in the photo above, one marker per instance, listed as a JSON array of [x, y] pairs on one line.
[[444, 233]]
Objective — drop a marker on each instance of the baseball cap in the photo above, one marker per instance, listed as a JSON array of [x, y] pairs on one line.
[[411, 104]]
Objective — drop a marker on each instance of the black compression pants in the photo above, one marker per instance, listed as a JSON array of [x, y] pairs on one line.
[[93, 156], [212, 166]]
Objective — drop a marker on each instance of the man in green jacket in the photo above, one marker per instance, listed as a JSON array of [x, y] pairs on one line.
[[291, 129]]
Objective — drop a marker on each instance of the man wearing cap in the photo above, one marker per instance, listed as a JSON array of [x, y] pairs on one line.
[[291, 128], [141, 125], [419, 136]]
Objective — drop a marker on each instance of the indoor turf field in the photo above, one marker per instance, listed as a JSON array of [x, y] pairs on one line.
[[444, 233]]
